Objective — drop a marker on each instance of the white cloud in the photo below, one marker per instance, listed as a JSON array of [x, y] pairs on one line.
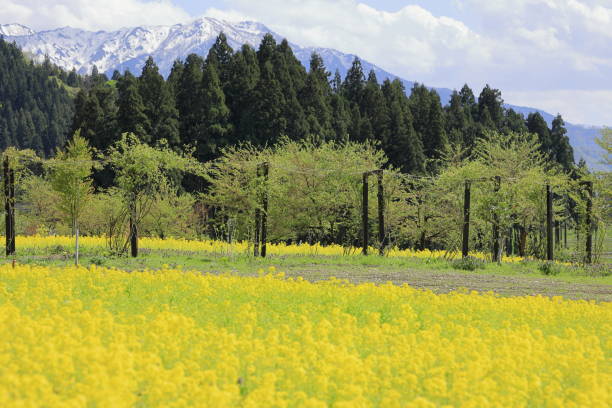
[[88, 14], [523, 47], [580, 107]]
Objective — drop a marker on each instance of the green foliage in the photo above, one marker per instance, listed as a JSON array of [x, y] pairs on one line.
[[314, 189], [550, 268], [35, 104], [468, 263], [70, 176], [142, 172]]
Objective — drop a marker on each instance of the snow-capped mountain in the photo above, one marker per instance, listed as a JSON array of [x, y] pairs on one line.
[[128, 48], [15, 30]]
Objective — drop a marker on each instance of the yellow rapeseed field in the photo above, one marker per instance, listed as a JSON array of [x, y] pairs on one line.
[[78, 337], [219, 247]]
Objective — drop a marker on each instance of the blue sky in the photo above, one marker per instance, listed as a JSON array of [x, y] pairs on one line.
[[551, 54]]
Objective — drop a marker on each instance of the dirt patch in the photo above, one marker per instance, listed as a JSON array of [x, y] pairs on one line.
[[444, 282]]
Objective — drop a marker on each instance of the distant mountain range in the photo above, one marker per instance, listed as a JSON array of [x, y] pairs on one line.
[[128, 48]]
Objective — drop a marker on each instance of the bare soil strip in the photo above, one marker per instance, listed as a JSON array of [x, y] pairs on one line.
[[444, 282]]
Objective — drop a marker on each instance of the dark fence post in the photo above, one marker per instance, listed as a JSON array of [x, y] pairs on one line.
[[381, 213], [12, 200], [133, 231], [549, 224], [589, 223], [364, 214], [264, 214], [7, 206], [496, 239], [257, 224], [466, 219]]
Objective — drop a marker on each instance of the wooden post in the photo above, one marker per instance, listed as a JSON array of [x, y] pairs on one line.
[[589, 223], [257, 225], [76, 247], [364, 214], [7, 206], [381, 213], [496, 239], [466, 219], [133, 230], [565, 234], [264, 214], [549, 224]]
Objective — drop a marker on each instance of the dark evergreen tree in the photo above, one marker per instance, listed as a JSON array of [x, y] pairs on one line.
[[316, 98], [402, 145], [159, 105], [536, 124], [490, 108], [174, 79], [561, 148], [374, 107], [352, 88], [131, 116], [264, 123], [220, 54], [217, 128], [189, 100]]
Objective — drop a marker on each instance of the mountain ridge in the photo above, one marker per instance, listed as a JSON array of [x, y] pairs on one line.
[[129, 47]]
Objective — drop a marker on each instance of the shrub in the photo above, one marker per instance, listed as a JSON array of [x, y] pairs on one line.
[[468, 264], [549, 268]]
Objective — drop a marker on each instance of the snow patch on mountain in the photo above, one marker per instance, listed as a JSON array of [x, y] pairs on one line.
[[15, 30]]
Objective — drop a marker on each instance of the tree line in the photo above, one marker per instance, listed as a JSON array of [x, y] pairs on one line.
[[259, 96]]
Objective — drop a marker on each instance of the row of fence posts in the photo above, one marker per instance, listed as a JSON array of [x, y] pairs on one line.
[[550, 235], [261, 226], [261, 216]]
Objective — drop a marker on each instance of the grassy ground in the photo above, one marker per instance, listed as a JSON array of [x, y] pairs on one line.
[[435, 274]]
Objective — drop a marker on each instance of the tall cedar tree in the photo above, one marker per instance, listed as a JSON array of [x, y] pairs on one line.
[[536, 124], [243, 78], [316, 98], [159, 105], [375, 108], [217, 128], [490, 108], [402, 145], [131, 117], [264, 123], [189, 100], [288, 72], [220, 54], [561, 148]]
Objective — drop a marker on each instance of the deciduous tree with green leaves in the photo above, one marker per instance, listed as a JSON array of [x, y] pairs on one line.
[[141, 173]]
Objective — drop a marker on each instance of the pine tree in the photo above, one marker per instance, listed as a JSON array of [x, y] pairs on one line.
[[189, 100], [403, 147], [491, 100], [561, 147], [159, 105], [264, 123], [537, 125], [316, 97], [374, 107], [220, 54], [297, 125], [131, 116], [216, 127], [354, 83]]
